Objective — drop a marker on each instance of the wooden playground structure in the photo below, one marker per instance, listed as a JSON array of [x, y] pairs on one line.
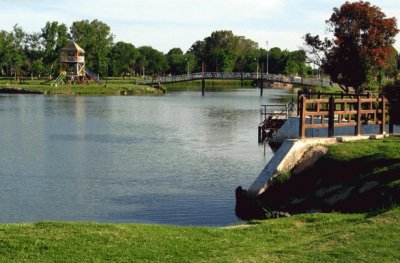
[[73, 69]]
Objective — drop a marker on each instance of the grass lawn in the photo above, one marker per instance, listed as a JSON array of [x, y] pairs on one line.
[[115, 86], [301, 238]]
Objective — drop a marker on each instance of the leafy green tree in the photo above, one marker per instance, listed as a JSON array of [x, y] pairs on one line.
[[180, 63], [176, 61], [276, 60], [18, 57], [247, 52], [6, 52], [197, 50], [154, 61], [363, 38], [296, 63], [37, 68], [123, 59], [34, 54], [96, 39], [54, 37], [221, 51]]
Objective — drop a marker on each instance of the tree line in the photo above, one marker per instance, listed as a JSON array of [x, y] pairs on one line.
[[37, 54]]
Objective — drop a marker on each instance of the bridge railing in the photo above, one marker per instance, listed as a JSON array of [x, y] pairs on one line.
[[233, 76]]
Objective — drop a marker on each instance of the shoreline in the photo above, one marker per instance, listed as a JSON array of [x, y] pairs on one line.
[[83, 90]]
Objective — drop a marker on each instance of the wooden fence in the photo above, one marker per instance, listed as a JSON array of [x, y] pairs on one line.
[[342, 112]]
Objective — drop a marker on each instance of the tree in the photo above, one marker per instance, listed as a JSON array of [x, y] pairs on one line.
[[176, 61], [362, 41], [34, 54], [198, 51], [123, 59], [18, 57], [154, 61], [247, 51], [224, 51], [295, 63], [96, 39], [221, 49], [6, 52], [54, 37]]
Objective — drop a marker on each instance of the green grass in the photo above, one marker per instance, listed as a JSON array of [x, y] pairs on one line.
[[301, 238], [115, 86], [388, 148]]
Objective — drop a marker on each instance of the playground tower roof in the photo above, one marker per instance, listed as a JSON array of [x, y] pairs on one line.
[[72, 46]]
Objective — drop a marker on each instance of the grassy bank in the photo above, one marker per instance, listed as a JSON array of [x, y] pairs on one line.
[[114, 87], [361, 176], [302, 238]]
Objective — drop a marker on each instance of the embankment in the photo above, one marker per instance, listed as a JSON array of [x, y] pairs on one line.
[[359, 176], [19, 91]]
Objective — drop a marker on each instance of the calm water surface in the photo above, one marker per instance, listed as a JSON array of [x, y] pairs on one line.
[[175, 159]]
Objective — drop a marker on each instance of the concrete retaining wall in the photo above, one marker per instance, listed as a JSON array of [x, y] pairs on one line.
[[289, 155]]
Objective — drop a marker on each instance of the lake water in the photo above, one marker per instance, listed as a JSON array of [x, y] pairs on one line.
[[173, 159]]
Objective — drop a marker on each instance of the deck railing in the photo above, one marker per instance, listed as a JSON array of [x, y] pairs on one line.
[[72, 59], [342, 112]]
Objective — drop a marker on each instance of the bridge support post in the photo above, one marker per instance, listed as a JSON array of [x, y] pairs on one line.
[[203, 81]]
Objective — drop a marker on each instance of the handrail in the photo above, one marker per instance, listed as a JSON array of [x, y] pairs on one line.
[[227, 75], [286, 109], [331, 113]]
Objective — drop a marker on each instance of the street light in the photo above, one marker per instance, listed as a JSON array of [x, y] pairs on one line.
[[187, 61], [256, 60], [267, 60]]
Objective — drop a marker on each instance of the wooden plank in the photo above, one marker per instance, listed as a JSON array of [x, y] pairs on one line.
[[302, 128], [324, 125], [357, 130], [383, 124], [331, 121]]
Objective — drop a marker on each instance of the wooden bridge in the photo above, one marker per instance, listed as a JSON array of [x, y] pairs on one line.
[[262, 77]]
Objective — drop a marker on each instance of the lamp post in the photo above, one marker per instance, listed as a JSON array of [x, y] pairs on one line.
[[187, 61], [267, 61], [256, 60]]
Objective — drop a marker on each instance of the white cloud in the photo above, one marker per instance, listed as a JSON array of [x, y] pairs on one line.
[[179, 23]]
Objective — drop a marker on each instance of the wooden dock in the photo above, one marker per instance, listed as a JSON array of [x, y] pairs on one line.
[[274, 116]]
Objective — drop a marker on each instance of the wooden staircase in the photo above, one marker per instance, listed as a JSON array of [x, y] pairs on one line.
[[274, 117]]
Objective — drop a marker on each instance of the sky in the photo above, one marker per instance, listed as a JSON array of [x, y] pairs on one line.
[[180, 23]]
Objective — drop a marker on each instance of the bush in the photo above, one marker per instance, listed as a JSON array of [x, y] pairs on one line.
[[392, 93]]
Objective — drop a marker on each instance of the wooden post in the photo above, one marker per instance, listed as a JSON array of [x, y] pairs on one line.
[[203, 81], [357, 130], [383, 123], [261, 83], [302, 129], [331, 119], [298, 102], [262, 80]]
